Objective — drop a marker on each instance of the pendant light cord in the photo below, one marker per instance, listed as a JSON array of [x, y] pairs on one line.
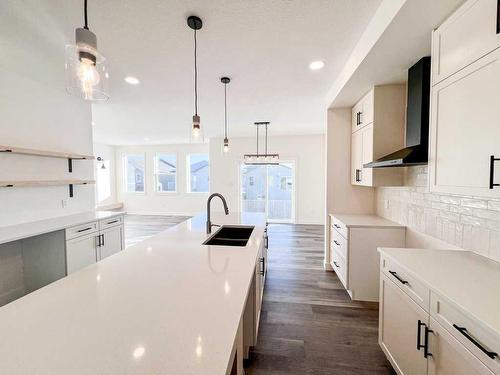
[[85, 15], [225, 110], [195, 76]]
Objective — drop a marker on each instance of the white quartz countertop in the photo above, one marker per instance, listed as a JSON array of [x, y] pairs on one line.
[[168, 305], [470, 281], [355, 220], [35, 228]]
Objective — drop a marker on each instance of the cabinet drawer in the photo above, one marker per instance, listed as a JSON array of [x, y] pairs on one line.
[[415, 289], [479, 340], [339, 226], [111, 222], [81, 230], [338, 242], [339, 264]]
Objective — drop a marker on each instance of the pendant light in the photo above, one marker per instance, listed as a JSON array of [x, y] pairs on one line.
[[225, 81], [86, 72], [195, 24], [258, 158]]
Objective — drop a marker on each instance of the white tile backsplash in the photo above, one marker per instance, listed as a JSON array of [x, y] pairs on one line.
[[468, 222]]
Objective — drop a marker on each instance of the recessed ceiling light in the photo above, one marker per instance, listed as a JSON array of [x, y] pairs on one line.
[[131, 80], [316, 65]]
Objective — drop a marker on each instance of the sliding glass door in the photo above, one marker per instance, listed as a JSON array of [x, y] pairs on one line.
[[269, 189]]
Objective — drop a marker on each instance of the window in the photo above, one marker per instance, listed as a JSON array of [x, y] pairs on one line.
[[198, 173], [286, 183], [134, 173], [166, 173]]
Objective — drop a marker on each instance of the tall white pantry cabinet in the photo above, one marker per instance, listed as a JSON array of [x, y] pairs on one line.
[[465, 112]]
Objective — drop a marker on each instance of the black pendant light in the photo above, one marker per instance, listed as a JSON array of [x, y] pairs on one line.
[[225, 81], [195, 24], [262, 159]]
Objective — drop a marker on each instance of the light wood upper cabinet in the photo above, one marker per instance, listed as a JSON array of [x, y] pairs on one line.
[[469, 34], [378, 129], [465, 132]]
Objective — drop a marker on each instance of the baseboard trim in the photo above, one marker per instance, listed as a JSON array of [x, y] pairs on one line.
[[327, 266]]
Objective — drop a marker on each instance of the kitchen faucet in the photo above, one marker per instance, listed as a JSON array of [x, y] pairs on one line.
[[226, 210]]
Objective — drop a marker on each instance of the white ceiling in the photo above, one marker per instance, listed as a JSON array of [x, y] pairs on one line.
[[264, 46]]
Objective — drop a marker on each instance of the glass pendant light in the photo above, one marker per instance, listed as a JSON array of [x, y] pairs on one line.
[[225, 147], [195, 24], [86, 72]]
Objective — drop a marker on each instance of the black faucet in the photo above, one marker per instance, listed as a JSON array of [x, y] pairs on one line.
[[226, 210]]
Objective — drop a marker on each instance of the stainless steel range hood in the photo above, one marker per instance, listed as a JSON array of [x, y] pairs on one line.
[[417, 121]]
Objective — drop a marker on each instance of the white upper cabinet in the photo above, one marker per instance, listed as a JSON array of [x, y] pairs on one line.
[[469, 34], [378, 122], [465, 129]]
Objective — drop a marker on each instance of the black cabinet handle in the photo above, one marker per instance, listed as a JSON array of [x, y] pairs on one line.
[[336, 243], [102, 239], [426, 342], [464, 332], [358, 175], [360, 122], [98, 240], [492, 167], [112, 222], [336, 265], [498, 17], [395, 274], [425, 346], [84, 230], [357, 118], [263, 269], [266, 241], [419, 334]]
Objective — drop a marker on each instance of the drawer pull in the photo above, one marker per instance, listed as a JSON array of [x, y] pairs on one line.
[[336, 226], [464, 332], [492, 168], [336, 243], [84, 230], [112, 222], [395, 274], [336, 265]]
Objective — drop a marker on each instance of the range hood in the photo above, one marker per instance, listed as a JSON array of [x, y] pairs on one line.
[[417, 121]]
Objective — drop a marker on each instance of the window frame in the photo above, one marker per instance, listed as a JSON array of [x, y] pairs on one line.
[[155, 174], [188, 173], [125, 175]]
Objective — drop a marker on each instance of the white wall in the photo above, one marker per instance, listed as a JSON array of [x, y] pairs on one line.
[[150, 202], [308, 153], [107, 152], [36, 112]]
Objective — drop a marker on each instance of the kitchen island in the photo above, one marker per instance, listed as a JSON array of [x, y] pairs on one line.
[[168, 305]]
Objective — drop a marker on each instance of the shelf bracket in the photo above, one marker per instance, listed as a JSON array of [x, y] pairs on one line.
[[71, 190], [70, 165]]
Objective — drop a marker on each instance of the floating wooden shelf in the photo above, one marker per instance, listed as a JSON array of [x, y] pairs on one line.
[[38, 183], [50, 154]]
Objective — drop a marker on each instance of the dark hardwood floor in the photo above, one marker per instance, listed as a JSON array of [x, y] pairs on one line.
[[308, 324], [140, 227]]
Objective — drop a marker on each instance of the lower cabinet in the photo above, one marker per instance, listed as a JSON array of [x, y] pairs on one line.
[[93, 242], [449, 356], [81, 252], [111, 242], [400, 318], [421, 342]]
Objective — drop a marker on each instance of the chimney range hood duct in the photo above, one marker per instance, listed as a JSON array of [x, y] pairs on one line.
[[417, 121]]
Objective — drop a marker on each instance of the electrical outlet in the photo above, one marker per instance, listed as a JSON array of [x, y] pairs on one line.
[[64, 203], [386, 203]]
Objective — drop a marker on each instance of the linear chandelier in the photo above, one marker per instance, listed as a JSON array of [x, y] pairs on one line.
[[258, 158]]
